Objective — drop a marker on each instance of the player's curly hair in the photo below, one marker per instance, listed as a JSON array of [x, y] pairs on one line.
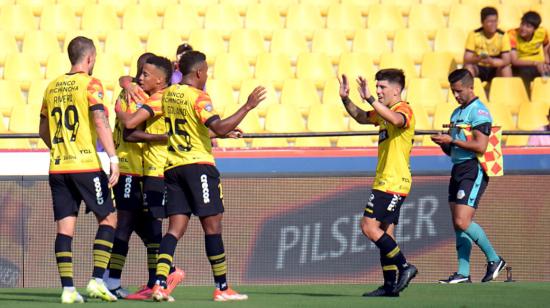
[[163, 64], [189, 60]]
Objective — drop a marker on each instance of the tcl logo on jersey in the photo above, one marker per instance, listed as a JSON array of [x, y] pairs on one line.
[[205, 191], [127, 187], [98, 192]]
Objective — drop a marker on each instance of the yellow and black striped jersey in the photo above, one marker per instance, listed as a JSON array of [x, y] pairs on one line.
[[154, 153], [130, 154]]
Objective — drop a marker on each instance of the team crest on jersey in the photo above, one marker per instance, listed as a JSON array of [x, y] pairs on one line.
[[100, 94], [209, 107]]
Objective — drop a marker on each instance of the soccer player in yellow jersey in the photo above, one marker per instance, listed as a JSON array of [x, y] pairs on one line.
[[487, 51], [530, 49], [71, 118], [393, 176], [192, 180]]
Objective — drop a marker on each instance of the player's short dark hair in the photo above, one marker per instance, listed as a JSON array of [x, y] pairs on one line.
[[183, 48], [78, 48], [141, 61], [488, 11], [532, 18], [189, 60], [163, 64], [463, 75], [392, 75]]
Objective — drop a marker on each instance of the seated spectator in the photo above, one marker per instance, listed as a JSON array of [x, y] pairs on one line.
[[541, 140], [488, 48], [530, 49]]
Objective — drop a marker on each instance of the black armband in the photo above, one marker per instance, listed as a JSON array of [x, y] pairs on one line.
[[346, 100], [370, 100], [484, 128]]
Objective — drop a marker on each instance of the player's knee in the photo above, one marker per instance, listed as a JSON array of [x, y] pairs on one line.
[[461, 223], [109, 220], [367, 229]]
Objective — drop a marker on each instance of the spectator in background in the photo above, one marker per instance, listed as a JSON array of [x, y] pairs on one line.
[[487, 51], [176, 75], [530, 49], [541, 140]]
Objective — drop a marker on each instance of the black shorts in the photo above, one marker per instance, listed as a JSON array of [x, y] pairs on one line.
[[154, 196], [70, 189], [468, 183], [486, 73], [194, 188], [384, 207], [128, 195]]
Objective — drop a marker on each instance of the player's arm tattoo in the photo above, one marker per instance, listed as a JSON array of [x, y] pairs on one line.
[[100, 115]]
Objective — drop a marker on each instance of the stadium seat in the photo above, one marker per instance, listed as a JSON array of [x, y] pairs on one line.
[[36, 91], [437, 65], [509, 91], [173, 16], [331, 94], [539, 91], [250, 124], [451, 40], [239, 5], [442, 115], [323, 5], [427, 141], [58, 19], [301, 94], [364, 39], [11, 96], [355, 126], [274, 68], [159, 6], [36, 6], [522, 6], [289, 42], [284, 119], [22, 68], [125, 43], [423, 122], [401, 61], [479, 91], [8, 45], [120, 6], [141, 19], [362, 5], [40, 44], [221, 94], [248, 86], [3, 130], [264, 18], [444, 5], [465, 17], [305, 18], [99, 26], [24, 118], [108, 68], [355, 141], [345, 18], [269, 143], [58, 64], [481, 3], [426, 92], [427, 18], [248, 42], [326, 118], [199, 6], [233, 68], [501, 117], [329, 42], [223, 18], [315, 67], [208, 41], [412, 42], [517, 141], [544, 10], [231, 143], [163, 42], [509, 16], [72, 34], [17, 19], [312, 142], [77, 5], [281, 5], [15, 144], [403, 5], [355, 64], [385, 18], [532, 116]]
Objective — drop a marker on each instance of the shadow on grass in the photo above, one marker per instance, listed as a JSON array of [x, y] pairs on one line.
[[29, 297], [299, 294]]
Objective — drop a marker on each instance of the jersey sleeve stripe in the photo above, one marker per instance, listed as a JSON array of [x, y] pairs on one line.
[[211, 119], [149, 109], [97, 107]]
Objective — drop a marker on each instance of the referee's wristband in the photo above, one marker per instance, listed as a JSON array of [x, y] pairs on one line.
[[113, 159], [370, 100]]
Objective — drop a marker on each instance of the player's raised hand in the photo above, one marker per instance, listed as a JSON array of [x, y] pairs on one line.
[[344, 86], [363, 88], [135, 93], [256, 96]]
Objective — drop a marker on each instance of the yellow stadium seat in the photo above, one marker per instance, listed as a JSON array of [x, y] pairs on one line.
[[345, 18], [231, 143], [385, 18], [72, 34], [239, 5], [8, 45], [427, 18], [326, 118], [331, 94], [58, 19], [289, 42], [510, 91], [248, 86], [305, 18], [77, 5], [159, 7], [58, 64], [199, 6], [330, 42], [24, 118], [362, 5], [141, 19], [36, 6], [247, 42], [523, 6], [403, 5], [108, 68], [465, 17], [99, 26], [315, 67], [36, 91], [274, 68], [479, 91], [444, 5], [366, 38], [125, 43], [40, 44], [301, 94], [437, 65], [426, 92], [412, 42], [208, 41], [22, 68], [323, 5], [423, 121], [174, 15], [11, 96], [163, 43], [355, 141], [427, 141], [281, 5], [17, 19], [250, 124], [264, 18], [442, 115], [540, 91], [15, 143], [501, 117], [517, 141], [233, 68], [451, 40], [355, 64], [481, 3], [532, 116], [3, 130], [313, 142], [401, 61], [544, 10], [358, 127], [223, 18], [509, 16], [221, 93], [284, 119], [120, 6], [269, 143]]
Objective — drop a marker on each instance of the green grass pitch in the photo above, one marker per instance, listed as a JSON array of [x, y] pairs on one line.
[[417, 295]]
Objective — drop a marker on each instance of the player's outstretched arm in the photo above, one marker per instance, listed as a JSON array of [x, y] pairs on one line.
[[138, 135], [44, 131], [133, 120], [105, 135], [355, 112], [223, 127]]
